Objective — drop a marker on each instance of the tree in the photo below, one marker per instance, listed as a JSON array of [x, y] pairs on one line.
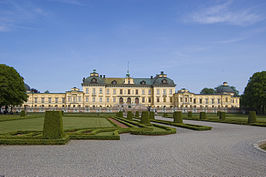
[[207, 91], [12, 89], [254, 97]]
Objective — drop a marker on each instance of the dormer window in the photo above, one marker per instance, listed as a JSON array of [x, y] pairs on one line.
[[114, 82], [142, 82], [164, 81], [94, 80]]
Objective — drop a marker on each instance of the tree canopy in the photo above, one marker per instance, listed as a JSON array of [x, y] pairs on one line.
[[254, 97], [207, 91], [12, 89]]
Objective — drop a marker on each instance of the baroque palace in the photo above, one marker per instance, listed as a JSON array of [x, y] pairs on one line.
[[108, 93]]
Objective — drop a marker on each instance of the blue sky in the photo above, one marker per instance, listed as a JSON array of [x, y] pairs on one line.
[[53, 44]]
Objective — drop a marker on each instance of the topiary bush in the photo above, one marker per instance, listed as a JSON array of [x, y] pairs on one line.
[[203, 115], [252, 117], [165, 114], [218, 113], [129, 115], [137, 114], [222, 115], [178, 117], [53, 125], [152, 115], [145, 118], [119, 114], [189, 114], [22, 113]]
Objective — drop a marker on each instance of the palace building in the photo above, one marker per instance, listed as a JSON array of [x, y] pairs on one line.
[[101, 92]]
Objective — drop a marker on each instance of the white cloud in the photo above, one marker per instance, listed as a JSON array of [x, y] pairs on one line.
[[223, 13]]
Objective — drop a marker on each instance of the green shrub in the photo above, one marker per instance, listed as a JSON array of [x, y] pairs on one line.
[[145, 118], [129, 115], [203, 115], [189, 114], [62, 113], [178, 117], [252, 117], [218, 113], [165, 114], [119, 114], [22, 113], [137, 114], [53, 125], [222, 115], [152, 115]]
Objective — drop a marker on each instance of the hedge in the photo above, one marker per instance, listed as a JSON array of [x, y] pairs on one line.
[[152, 115], [119, 114], [53, 125], [178, 117], [202, 115], [165, 114], [22, 113], [145, 118], [189, 114], [222, 116], [218, 113], [137, 114], [252, 117], [129, 115]]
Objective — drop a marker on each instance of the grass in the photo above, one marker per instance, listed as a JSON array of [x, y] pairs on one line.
[[36, 124]]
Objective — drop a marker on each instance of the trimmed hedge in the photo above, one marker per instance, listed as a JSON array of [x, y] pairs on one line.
[[119, 114], [22, 113], [189, 114], [129, 115], [53, 125], [218, 113], [165, 114], [178, 117], [145, 118], [137, 114], [202, 115], [222, 116], [152, 115], [252, 117]]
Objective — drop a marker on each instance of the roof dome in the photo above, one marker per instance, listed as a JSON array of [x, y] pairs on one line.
[[27, 87], [224, 88]]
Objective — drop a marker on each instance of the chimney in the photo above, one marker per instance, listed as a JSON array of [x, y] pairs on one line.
[[161, 72]]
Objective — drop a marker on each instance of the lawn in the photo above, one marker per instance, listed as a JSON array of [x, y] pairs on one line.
[[36, 124]]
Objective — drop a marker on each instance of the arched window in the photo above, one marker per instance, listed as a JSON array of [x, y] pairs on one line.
[[142, 82], [121, 101], [137, 100], [114, 82], [128, 100], [93, 80], [164, 81]]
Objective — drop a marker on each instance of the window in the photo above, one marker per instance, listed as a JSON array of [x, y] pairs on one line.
[[128, 91], [101, 91], [164, 81], [137, 91], [93, 99], [114, 82], [107, 91], [63, 100], [121, 91], [93, 91], [149, 92], [74, 99], [195, 101], [207, 101], [36, 100], [128, 82], [181, 99], [164, 91], [56, 100], [79, 98], [143, 99], [158, 92], [49, 100], [190, 100], [226, 99], [171, 99], [114, 99], [218, 100], [114, 91], [42, 100], [164, 99], [94, 80], [149, 99], [170, 91], [200, 101], [142, 82], [212, 101], [101, 99], [87, 99], [158, 99], [185, 100], [69, 99], [143, 92], [87, 90], [107, 99]]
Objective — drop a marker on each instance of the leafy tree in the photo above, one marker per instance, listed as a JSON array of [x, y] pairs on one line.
[[207, 91], [12, 89], [254, 97], [47, 91]]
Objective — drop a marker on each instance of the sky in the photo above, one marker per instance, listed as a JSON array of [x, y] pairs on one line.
[[53, 44]]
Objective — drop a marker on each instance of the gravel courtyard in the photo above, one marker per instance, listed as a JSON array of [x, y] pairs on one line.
[[226, 150]]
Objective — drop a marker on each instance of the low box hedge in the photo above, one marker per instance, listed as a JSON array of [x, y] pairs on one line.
[[53, 125], [252, 117]]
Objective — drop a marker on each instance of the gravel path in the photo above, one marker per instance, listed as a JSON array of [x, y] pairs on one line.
[[227, 150]]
